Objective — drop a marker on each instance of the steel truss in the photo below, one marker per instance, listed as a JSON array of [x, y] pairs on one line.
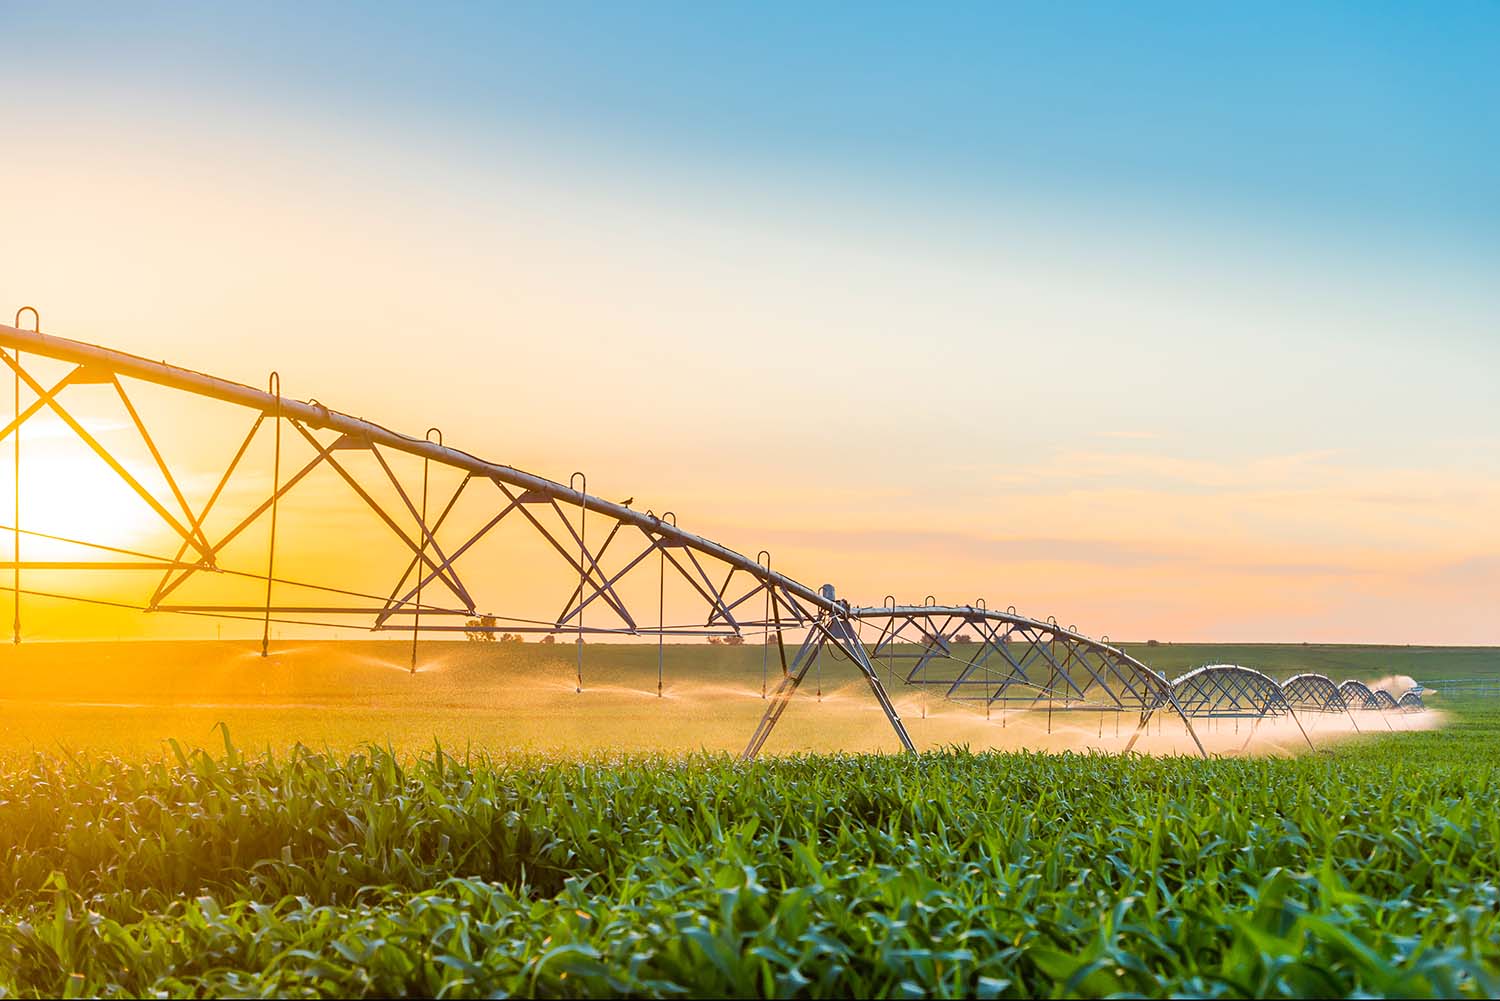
[[1313, 693], [1357, 695], [1410, 702], [611, 553], [1228, 691], [980, 656], [606, 546]]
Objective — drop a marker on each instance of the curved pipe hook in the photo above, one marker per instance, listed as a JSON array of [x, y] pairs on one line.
[[416, 621], [669, 514], [929, 602], [764, 559], [979, 604], [889, 602], [583, 510], [273, 386], [36, 326]]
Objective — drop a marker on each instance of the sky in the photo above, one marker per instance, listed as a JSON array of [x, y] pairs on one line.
[[1175, 321]]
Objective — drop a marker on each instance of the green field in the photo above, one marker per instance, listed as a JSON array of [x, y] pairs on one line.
[[131, 697], [546, 850]]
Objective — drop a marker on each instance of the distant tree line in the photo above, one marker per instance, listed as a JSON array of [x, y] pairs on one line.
[[482, 630], [934, 639]]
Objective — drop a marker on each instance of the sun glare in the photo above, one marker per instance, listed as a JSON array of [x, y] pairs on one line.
[[76, 498]]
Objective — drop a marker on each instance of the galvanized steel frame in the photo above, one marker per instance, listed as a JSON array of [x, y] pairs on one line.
[[725, 582], [1019, 662]]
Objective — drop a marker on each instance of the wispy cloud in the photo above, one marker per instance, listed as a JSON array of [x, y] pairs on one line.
[[1165, 472], [1471, 572], [1104, 553], [1131, 435]]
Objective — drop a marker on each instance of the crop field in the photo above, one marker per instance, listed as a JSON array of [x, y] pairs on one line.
[[501, 698], [352, 829]]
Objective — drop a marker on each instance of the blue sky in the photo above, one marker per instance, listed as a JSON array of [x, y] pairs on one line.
[[1326, 116], [1208, 282]]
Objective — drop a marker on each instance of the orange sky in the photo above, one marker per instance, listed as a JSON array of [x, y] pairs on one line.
[[1117, 537], [1187, 424]]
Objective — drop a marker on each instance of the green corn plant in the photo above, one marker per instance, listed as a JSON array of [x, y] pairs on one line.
[[1370, 870]]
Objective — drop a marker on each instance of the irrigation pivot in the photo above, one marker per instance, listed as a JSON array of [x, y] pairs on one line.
[[606, 558]]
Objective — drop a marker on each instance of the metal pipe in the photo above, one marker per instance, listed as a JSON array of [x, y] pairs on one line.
[[36, 323], [16, 634], [1011, 617], [583, 564], [989, 692], [316, 415], [265, 636], [661, 607], [416, 622], [765, 639], [890, 647]]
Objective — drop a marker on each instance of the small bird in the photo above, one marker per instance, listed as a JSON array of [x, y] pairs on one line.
[[627, 502]]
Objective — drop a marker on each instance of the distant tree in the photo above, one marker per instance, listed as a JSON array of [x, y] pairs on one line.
[[480, 630], [512, 638], [963, 638], [549, 640], [735, 640], [1153, 643]]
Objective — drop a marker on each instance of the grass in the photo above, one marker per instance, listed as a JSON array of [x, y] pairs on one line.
[[138, 867]]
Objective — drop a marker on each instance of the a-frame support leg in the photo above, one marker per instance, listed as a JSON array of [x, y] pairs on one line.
[[1140, 728], [1290, 712], [837, 632], [795, 672], [1187, 723], [1146, 718], [840, 634]]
